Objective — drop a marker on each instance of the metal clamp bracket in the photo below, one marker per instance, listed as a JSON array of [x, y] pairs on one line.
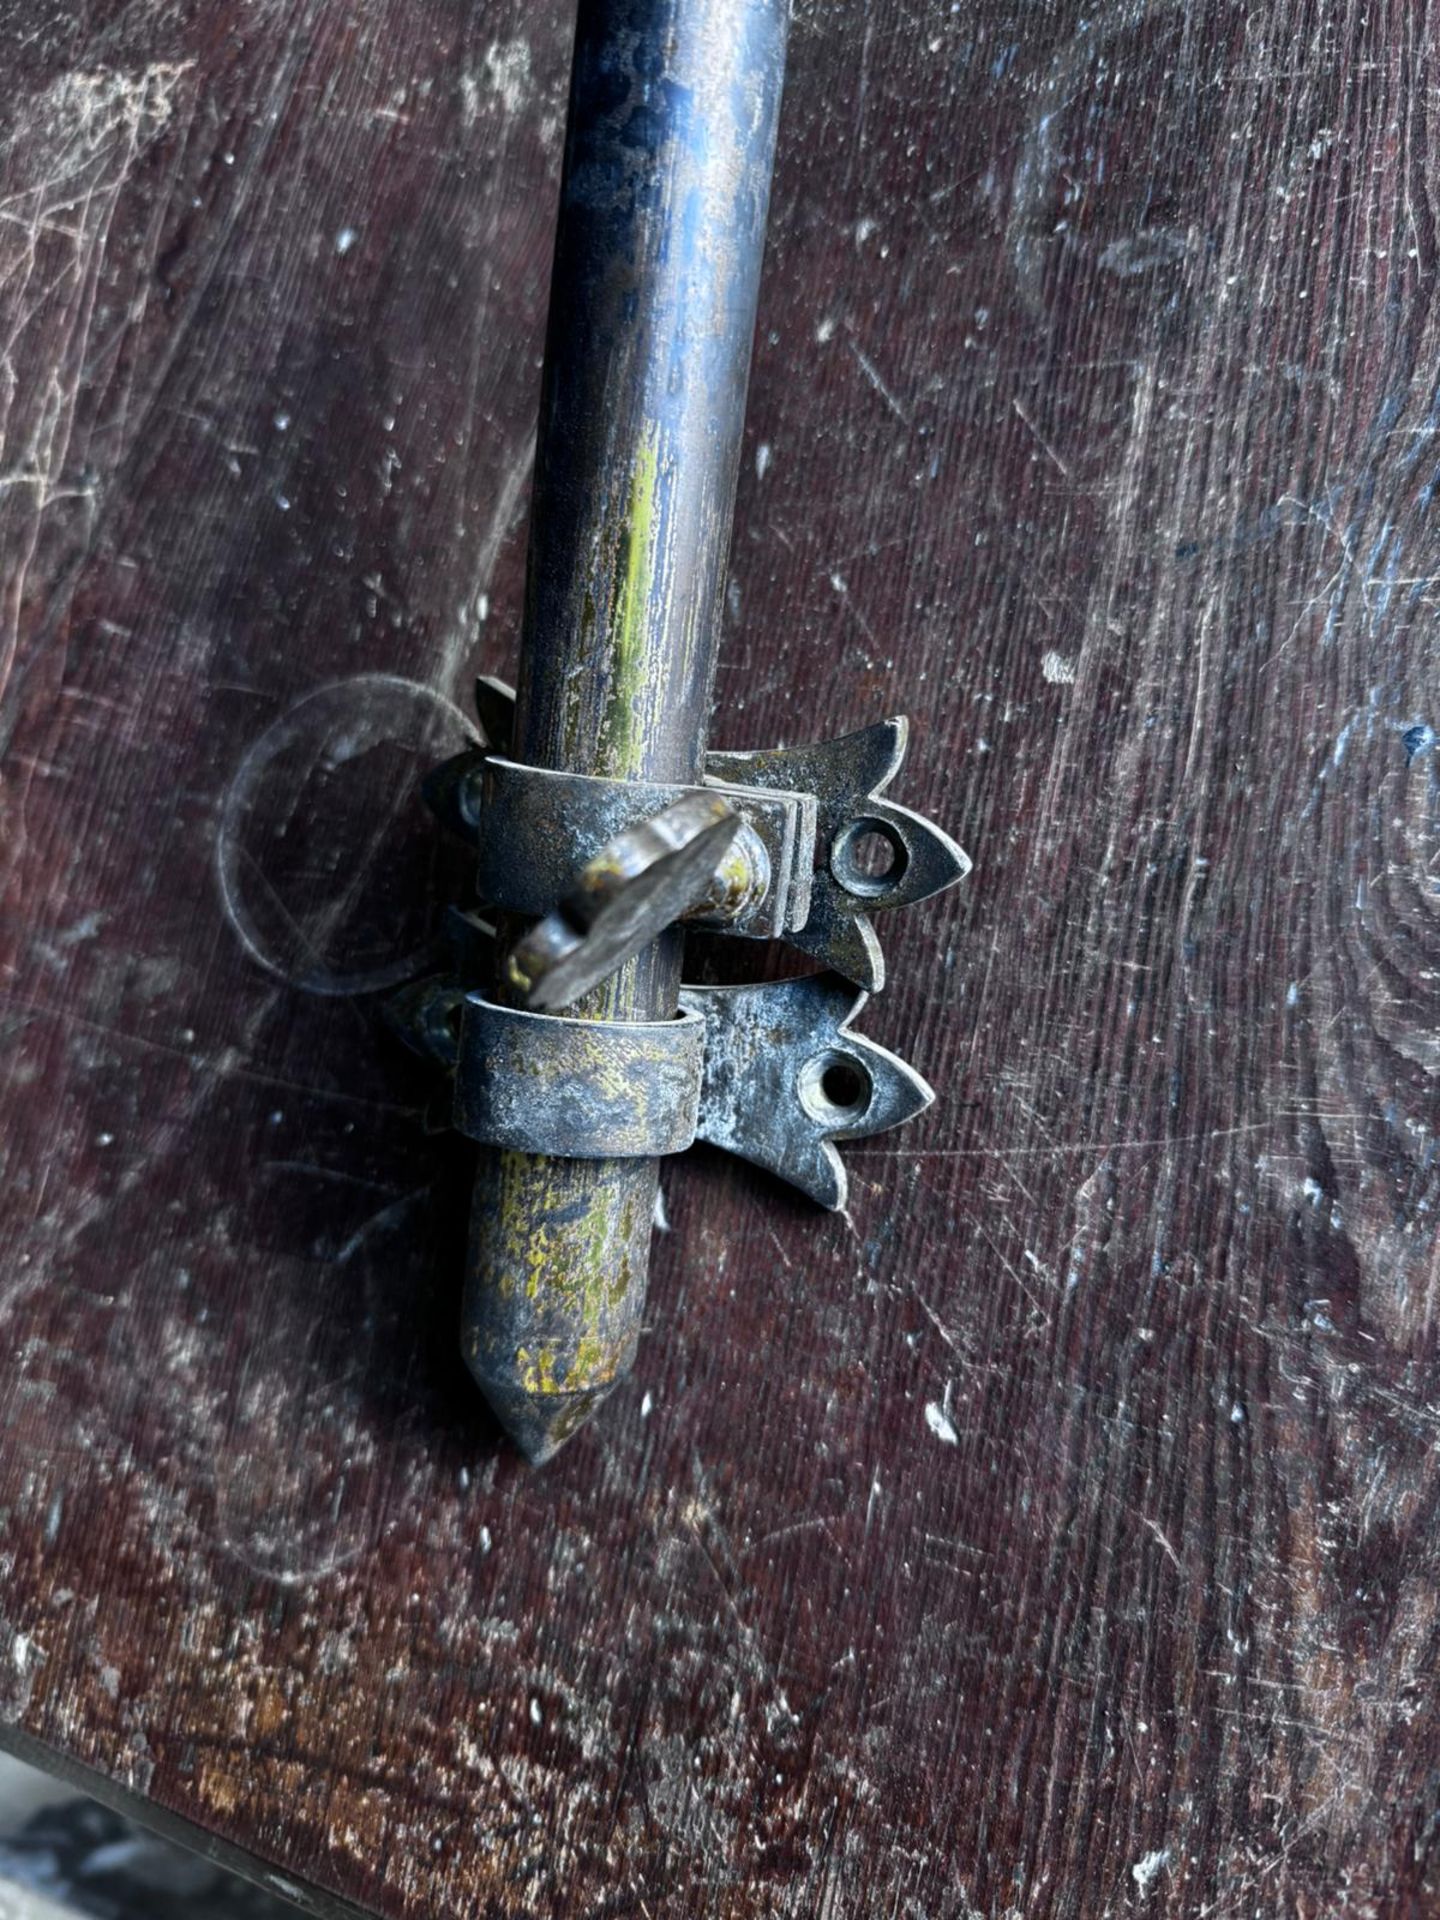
[[785, 1078], [771, 1073], [583, 1089], [796, 843], [536, 829], [818, 852]]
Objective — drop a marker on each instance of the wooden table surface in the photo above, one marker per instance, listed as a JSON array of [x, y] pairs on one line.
[[1056, 1535]]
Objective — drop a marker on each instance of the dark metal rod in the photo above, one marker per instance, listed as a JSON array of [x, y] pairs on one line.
[[668, 158]]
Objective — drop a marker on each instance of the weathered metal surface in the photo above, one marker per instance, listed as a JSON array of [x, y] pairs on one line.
[[785, 1078], [674, 106], [624, 898], [581, 1089], [623, 901], [535, 830]]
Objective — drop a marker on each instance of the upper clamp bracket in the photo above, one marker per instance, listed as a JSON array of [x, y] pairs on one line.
[[817, 852]]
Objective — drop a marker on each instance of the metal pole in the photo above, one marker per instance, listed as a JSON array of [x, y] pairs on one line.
[[671, 140]]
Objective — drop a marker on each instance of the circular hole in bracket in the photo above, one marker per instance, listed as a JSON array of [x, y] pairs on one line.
[[868, 857], [835, 1088]]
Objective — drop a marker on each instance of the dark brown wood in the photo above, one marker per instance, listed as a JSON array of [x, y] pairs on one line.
[[1057, 1535]]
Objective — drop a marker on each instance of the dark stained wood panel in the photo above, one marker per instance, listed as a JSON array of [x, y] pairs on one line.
[[1057, 1534]]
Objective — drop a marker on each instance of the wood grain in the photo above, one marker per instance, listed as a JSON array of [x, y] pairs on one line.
[[1057, 1535]]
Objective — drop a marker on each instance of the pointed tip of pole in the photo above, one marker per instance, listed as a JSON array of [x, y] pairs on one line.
[[539, 1424]]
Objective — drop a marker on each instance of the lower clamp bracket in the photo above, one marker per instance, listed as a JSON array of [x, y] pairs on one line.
[[771, 1073], [580, 1089]]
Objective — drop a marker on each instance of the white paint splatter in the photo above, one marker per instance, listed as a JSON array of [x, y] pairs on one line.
[[1147, 1866], [507, 65], [20, 1661], [1059, 671], [762, 459], [345, 239], [940, 1424], [97, 105]]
